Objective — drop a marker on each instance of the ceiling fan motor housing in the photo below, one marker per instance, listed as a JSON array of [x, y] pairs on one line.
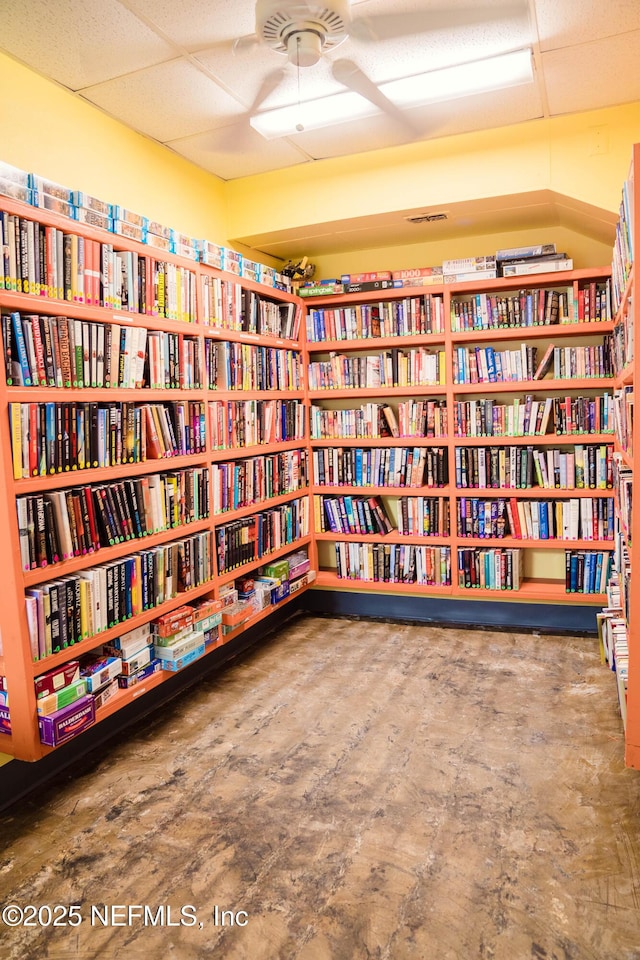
[[302, 31]]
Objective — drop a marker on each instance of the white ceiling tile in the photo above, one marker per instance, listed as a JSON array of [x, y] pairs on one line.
[[195, 25], [166, 102], [79, 42], [565, 24], [608, 60], [237, 151]]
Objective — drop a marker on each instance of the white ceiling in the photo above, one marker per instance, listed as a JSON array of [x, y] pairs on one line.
[[168, 69]]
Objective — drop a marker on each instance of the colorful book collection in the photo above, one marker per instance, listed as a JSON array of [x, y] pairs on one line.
[[577, 518], [227, 305], [423, 516], [250, 538], [623, 254], [242, 483], [532, 417], [51, 438], [354, 515], [411, 316], [381, 466], [248, 423], [623, 486], [62, 352], [494, 568], [623, 340], [614, 637], [531, 308], [595, 360], [48, 262], [244, 366], [393, 368], [65, 611], [393, 563], [411, 418], [587, 571], [77, 521], [487, 365], [624, 407], [520, 467]]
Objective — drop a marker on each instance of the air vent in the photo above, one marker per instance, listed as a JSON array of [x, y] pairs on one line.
[[427, 218]]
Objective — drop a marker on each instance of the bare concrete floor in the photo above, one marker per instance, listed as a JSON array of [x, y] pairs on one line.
[[350, 790]]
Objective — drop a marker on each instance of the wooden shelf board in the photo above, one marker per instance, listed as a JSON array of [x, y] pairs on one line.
[[91, 475], [375, 343], [550, 331], [535, 386], [549, 438], [411, 390], [241, 336], [538, 493], [126, 696], [258, 450], [393, 537], [253, 394], [139, 395], [530, 590], [380, 442], [468, 542], [327, 578], [369, 491]]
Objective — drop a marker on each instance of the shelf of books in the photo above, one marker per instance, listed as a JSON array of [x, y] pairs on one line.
[[154, 453], [462, 437], [619, 621]]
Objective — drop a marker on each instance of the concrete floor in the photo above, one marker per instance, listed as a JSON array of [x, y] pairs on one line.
[[350, 790]]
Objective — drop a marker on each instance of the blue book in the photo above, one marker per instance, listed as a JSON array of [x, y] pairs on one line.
[[573, 573], [358, 467], [545, 506], [23, 359], [491, 364]]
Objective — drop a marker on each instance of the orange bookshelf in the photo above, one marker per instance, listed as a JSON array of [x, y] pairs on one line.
[[572, 285], [16, 660]]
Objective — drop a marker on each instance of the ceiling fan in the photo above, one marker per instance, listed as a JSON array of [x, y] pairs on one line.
[[305, 30]]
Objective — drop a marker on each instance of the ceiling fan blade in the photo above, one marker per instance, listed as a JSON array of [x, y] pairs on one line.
[[238, 135], [389, 26], [350, 75], [245, 43], [270, 83]]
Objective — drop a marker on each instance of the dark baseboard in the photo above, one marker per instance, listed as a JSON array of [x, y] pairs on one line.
[[571, 618]]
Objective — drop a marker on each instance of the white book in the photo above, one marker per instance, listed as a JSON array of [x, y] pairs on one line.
[[23, 531]]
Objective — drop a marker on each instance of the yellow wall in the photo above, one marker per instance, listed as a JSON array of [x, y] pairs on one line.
[[560, 155], [585, 251], [51, 132]]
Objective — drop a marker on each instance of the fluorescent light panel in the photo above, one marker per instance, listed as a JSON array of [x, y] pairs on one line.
[[448, 83]]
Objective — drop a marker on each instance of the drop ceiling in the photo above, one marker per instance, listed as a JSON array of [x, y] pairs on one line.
[[171, 69]]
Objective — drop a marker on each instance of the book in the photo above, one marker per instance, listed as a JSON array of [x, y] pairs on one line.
[[545, 363], [528, 267]]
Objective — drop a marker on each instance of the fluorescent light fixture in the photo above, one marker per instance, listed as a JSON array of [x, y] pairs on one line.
[[448, 83], [312, 115]]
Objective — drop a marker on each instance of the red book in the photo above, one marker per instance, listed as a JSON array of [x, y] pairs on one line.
[[545, 363]]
